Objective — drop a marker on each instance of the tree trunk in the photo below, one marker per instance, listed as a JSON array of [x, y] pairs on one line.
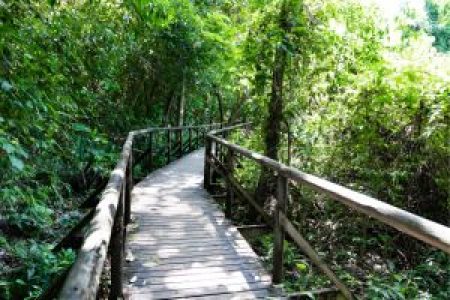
[[168, 108], [182, 103], [206, 112], [220, 104], [236, 111], [272, 128]]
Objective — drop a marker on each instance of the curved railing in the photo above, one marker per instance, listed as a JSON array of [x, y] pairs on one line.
[[220, 158], [106, 231]]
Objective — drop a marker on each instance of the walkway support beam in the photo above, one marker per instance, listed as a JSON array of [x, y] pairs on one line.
[[278, 232]]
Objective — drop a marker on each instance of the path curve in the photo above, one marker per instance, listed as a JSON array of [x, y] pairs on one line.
[[180, 245]]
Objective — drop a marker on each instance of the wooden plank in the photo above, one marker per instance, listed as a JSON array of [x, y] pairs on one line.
[[179, 235], [143, 248], [194, 267], [176, 242], [234, 292], [152, 245], [247, 295], [151, 218], [193, 229], [193, 258], [191, 254], [179, 225], [198, 288], [193, 261], [155, 220], [204, 277], [256, 294]]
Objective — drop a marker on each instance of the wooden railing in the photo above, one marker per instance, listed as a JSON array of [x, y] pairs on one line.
[[220, 158], [106, 232]]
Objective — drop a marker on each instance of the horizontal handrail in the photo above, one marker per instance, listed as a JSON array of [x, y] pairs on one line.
[[174, 128], [229, 128], [84, 276], [106, 228], [421, 228]]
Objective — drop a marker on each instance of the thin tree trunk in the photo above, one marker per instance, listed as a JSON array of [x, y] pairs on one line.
[[220, 104], [182, 103], [206, 112], [166, 117]]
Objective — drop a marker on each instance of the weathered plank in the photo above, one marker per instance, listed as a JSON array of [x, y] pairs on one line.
[[198, 268], [150, 261], [181, 245], [196, 290]]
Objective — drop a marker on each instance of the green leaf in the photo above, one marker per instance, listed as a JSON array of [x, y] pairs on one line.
[[302, 267], [6, 86], [8, 148], [81, 127], [16, 163]]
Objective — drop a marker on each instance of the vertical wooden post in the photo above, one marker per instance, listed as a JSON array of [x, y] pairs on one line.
[[216, 151], [180, 142], [150, 159], [117, 250], [190, 139], [207, 171], [278, 232], [230, 191], [169, 146], [197, 144], [204, 136], [214, 175], [289, 147], [128, 189]]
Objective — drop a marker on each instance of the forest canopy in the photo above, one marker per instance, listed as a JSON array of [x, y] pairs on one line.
[[362, 88]]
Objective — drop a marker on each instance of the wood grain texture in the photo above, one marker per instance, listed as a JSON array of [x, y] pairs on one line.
[[180, 245]]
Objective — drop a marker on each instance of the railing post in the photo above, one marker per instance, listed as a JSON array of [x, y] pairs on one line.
[[117, 250], [197, 144], [230, 191], [214, 174], [180, 142], [278, 232], [128, 189], [169, 146], [190, 139], [207, 171], [204, 136], [150, 159]]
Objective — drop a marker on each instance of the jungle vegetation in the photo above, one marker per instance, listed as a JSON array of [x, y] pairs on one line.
[[365, 99]]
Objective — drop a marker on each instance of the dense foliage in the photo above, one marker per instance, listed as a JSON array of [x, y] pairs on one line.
[[367, 106], [75, 76], [366, 101]]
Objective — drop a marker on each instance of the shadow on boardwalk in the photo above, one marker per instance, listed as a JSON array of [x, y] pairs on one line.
[[182, 246]]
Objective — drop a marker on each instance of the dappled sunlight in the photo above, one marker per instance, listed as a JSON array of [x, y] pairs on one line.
[[182, 244]]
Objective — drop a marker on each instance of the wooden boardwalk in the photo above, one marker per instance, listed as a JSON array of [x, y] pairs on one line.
[[180, 244]]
